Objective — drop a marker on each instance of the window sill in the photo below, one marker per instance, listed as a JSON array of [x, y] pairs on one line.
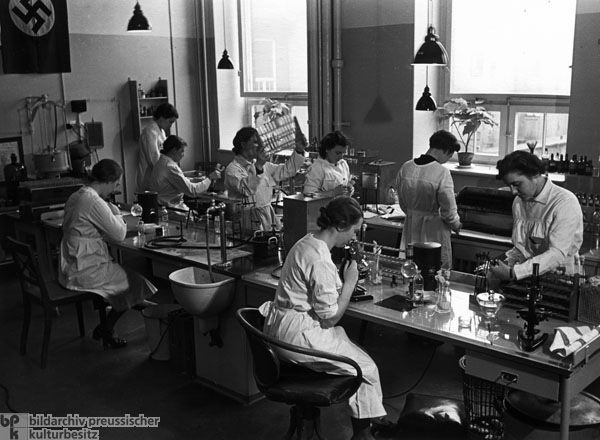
[[488, 170]]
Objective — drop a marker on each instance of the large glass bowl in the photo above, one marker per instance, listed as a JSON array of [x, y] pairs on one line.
[[490, 303]]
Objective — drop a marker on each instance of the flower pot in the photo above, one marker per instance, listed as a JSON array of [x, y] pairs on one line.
[[465, 158]]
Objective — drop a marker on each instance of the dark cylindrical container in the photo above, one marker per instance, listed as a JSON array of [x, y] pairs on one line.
[[148, 200], [428, 256]]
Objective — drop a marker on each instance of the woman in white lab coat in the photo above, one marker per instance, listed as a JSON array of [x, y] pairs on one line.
[[168, 180], [310, 300], [251, 177], [85, 262], [151, 141], [426, 195], [329, 173], [547, 220]]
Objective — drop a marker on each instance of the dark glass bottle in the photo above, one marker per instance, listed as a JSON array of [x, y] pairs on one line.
[[589, 167], [552, 164], [573, 164], [580, 166], [561, 164], [14, 173]]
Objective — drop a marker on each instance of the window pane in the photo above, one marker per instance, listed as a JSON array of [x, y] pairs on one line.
[[529, 128], [486, 139], [512, 46], [274, 46], [555, 138], [548, 130]]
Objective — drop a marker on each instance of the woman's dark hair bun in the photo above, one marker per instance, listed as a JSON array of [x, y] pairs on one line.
[[323, 221]]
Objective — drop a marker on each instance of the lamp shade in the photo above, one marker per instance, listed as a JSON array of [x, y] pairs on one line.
[[138, 22], [431, 51], [225, 62], [426, 102]]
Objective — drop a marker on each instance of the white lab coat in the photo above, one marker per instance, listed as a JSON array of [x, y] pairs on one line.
[[308, 291], [85, 262], [256, 190], [426, 195], [547, 230], [151, 141], [322, 176], [169, 182]]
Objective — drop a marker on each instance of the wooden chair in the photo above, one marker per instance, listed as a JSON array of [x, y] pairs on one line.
[[42, 291], [305, 389], [52, 237]]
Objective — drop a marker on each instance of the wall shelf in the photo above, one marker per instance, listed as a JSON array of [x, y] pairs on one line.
[[142, 107]]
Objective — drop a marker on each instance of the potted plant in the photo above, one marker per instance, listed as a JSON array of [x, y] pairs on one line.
[[465, 118], [271, 111]]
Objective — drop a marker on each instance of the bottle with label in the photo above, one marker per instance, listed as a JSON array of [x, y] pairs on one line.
[[163, 219], [418, 290]]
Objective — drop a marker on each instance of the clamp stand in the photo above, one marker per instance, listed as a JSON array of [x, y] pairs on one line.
[[528, 341]]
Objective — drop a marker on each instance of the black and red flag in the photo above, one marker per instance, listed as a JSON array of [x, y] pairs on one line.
[[35, 36]]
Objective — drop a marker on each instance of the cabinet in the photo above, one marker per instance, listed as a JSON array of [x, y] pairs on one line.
[[144, 101]]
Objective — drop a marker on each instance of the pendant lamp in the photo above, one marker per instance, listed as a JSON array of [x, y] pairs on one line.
[[431, 52], [138, 22], [225, 62], [426, 102]]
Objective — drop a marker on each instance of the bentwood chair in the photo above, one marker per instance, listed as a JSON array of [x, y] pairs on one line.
[[307, 390], [44, 291]]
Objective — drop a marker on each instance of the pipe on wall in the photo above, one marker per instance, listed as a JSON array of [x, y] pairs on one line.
[[337, 64]]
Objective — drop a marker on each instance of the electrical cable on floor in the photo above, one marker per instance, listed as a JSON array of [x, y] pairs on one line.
[[418, 380], [10, 408]]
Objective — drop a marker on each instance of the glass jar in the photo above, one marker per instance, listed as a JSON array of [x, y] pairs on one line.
[[444, 300]]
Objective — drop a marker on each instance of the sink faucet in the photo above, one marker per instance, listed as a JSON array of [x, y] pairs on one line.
[[217, 210]]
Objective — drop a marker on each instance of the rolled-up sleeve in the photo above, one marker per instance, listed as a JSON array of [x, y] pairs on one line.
[[184, 185]]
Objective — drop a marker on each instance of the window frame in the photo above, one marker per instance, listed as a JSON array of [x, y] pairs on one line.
[[507, 104]]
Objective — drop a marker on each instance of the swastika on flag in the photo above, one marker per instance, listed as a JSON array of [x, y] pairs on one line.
[[34, 18]]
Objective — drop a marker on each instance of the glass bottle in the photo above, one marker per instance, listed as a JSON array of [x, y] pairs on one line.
[[163, 219], [409, 268], [444, 297], [136, 210], [418, 290], [552, 164]]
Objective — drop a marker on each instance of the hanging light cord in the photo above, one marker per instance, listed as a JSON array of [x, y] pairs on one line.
[[224, 29]]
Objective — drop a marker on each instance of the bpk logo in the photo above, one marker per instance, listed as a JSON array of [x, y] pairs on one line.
[[34, 18], [13, 426]]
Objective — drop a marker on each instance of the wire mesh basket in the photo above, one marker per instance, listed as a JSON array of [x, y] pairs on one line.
[[588, 307], [484, 406]]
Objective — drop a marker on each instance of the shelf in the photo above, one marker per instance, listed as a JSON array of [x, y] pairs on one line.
[[138, 121]]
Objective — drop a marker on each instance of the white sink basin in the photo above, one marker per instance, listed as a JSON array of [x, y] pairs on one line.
[[194, 291]]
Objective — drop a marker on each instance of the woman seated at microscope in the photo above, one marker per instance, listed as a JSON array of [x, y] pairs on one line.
[[167, 178]]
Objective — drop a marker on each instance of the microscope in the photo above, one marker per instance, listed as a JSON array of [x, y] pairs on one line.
[[529, 337]]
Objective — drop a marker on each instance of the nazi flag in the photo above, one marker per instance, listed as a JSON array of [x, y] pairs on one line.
[[35, 36]]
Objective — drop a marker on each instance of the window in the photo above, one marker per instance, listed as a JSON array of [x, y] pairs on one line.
[[273, 41], [271, 59], [516, 56]]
